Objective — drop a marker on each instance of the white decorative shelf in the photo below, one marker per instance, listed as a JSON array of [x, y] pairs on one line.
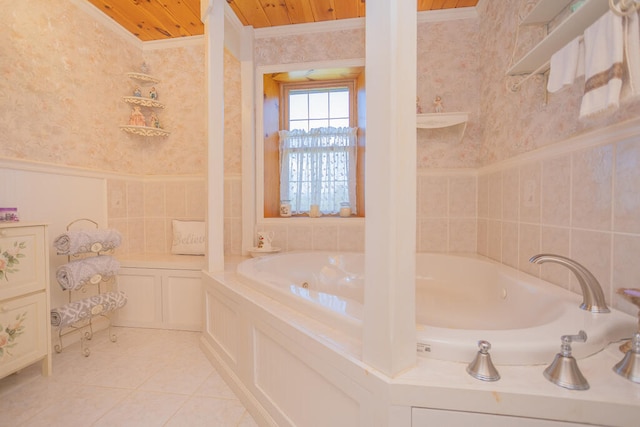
[[143, 78], [537, 59], [440, 120], [545, 11], [145, 102], [145, 130]]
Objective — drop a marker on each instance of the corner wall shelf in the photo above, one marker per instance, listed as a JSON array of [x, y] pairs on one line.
[[537, 59], [440, 120], [138, 123], [145, 102], [143, 77], [145, 130]]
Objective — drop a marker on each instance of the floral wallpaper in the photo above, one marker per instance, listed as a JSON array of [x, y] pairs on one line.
[[447, 66], [61, 82], [344, 44], [517, 122], [182, 77], [62, 100]]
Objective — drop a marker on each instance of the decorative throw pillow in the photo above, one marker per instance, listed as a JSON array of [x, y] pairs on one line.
[[188, 237]]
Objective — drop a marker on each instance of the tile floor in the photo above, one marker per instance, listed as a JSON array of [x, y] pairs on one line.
[[148, 377]]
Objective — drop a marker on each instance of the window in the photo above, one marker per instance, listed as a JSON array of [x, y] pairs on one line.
[[318, 108], [320, 98], [318, 148]]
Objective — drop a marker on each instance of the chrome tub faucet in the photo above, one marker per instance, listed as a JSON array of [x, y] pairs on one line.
[[592, 295]]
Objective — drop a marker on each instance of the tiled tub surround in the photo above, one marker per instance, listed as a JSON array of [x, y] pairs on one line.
[[142, 209], [579, 198]]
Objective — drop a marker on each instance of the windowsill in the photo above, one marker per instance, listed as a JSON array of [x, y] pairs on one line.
[[325, 219]]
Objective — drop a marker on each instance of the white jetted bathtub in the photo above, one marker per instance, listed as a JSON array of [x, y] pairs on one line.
[[459, 301]]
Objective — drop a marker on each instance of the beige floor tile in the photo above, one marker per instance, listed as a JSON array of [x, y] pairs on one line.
[[143, 409], [208, 411], [148, 377]]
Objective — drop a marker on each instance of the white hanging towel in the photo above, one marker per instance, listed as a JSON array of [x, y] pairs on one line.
[[566, 65], [604, 46], [632, 52]]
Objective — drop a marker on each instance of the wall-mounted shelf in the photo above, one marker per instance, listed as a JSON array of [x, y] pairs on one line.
[[137, 117], [537, 59], [545, 11], [145, 130], [143, 78], [440, 120], [145, 102]]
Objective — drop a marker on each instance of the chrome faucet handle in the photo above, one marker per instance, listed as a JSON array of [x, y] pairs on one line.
[[565, 348], [482, 367], [564, 370], [629, 366]]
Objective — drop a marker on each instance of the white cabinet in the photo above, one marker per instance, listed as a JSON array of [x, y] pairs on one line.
[[424, 417], [161, 298], [25, 330]]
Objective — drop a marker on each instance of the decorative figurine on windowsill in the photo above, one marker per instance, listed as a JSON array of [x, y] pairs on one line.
[[437, 104], [153, 94], [137, 118], [418, 107], [154, 121], [137, 92]]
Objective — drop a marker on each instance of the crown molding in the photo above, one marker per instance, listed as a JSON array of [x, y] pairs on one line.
[[359, 23], [309, 28], [173, 43], [443, 15]]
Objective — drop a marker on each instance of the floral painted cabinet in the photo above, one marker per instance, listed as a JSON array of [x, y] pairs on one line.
[[25, 335]]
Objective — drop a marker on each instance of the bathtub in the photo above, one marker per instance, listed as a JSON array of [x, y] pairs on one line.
[[459, 301]]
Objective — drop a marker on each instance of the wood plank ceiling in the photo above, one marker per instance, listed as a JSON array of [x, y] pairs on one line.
[[165, 19]]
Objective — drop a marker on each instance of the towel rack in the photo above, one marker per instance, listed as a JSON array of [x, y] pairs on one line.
[[624, 7], [85, 325], [536, 61]]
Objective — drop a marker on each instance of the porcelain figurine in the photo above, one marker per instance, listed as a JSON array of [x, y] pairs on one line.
[[137, 92], [137, 118], [437, 104], [153, 94], [154, 121]]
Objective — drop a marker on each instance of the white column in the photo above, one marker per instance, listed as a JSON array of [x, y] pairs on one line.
[[389, 338], [247, 70], [213, 17]]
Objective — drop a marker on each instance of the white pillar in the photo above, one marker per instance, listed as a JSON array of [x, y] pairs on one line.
[[213, 17], [247, 71], [389, 337]]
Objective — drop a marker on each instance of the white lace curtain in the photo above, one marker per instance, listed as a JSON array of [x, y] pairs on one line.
[[318, 167]]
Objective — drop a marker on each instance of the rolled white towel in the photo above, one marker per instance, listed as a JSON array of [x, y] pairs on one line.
[[77, 273], [73, 312], [75, 242]]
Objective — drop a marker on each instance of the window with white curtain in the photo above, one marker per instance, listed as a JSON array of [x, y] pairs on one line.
[[318, 148], [318, 167]]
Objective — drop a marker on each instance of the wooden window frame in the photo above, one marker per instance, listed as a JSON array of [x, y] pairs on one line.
[[271, 183]]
